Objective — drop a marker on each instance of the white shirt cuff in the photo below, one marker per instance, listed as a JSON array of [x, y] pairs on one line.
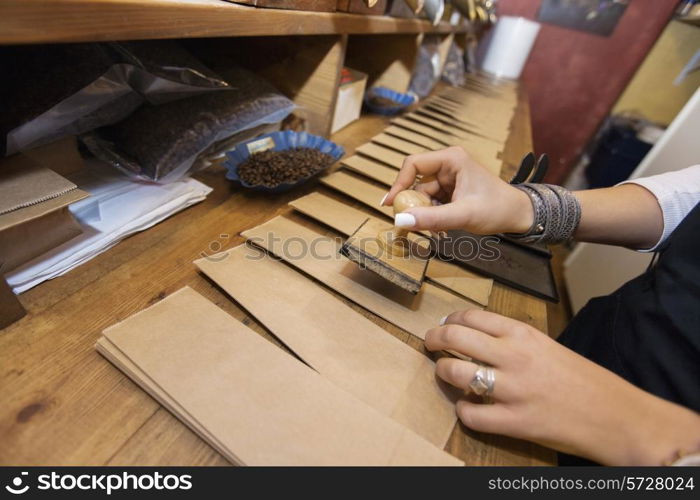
[[677, 193]]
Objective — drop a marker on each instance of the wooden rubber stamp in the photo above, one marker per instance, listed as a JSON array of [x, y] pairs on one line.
[[389, 250], [395, 240]]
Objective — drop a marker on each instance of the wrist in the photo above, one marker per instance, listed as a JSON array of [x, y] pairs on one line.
[[659, 432], [522, 214], [630, 427], [672, 432]]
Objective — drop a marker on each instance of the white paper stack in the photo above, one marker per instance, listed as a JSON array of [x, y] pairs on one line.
[[117, 208]]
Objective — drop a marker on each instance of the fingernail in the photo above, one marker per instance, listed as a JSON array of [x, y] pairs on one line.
[[404, 220], [442, 320], [383, 200]]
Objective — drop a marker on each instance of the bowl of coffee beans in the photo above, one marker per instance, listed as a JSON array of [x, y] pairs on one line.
[[280, 161], [384, 101]]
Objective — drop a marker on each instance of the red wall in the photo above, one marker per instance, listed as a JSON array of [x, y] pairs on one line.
[[574, 78]]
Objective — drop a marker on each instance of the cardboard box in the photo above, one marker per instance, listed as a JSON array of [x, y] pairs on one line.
[[350, 95]]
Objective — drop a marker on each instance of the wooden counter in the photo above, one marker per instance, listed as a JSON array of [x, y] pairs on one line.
[[63, 404]]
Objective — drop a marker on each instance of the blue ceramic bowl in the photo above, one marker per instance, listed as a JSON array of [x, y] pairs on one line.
[[278, 141], [402, 101]]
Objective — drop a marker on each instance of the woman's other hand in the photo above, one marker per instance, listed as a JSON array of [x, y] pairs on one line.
[[548, 394]]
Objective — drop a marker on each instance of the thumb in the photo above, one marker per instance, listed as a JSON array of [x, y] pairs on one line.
[[436, 218]]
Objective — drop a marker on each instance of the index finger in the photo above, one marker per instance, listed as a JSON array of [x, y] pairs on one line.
[[494, 324], [428, 163]]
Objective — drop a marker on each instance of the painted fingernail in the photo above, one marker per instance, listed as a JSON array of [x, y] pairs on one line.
[[442, 320], [383, 200], [404, 220]]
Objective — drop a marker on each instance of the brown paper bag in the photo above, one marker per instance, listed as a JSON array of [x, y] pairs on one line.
[[262, 405]]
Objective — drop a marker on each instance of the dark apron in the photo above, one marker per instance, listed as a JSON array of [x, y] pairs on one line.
[[648, 331]]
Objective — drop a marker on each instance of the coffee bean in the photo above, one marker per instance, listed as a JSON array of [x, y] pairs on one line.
[[272, 168]]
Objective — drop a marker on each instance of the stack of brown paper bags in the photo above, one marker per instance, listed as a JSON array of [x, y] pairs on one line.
[[370, 168], [430, 143], [434, 135], [321, 260], [405, 147], [250, 400], [338, 342], [383, 154], [486, 113], [34, 214]]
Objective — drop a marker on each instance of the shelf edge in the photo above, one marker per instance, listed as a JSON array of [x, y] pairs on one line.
[[47, 21]]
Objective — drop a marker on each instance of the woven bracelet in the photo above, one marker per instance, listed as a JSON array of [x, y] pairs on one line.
[[557, 214]]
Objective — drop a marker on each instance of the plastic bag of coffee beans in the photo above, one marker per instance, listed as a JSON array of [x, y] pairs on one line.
[[162, 143], [453, 72], [57, 90], [427, 69]]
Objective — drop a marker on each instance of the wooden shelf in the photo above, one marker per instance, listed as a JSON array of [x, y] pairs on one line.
[[46, 21]]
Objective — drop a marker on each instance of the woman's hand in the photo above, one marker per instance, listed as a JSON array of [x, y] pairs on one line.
[[472, 197], [546, 393]]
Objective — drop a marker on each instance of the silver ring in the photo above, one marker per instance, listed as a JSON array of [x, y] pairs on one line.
[[484, 381]]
